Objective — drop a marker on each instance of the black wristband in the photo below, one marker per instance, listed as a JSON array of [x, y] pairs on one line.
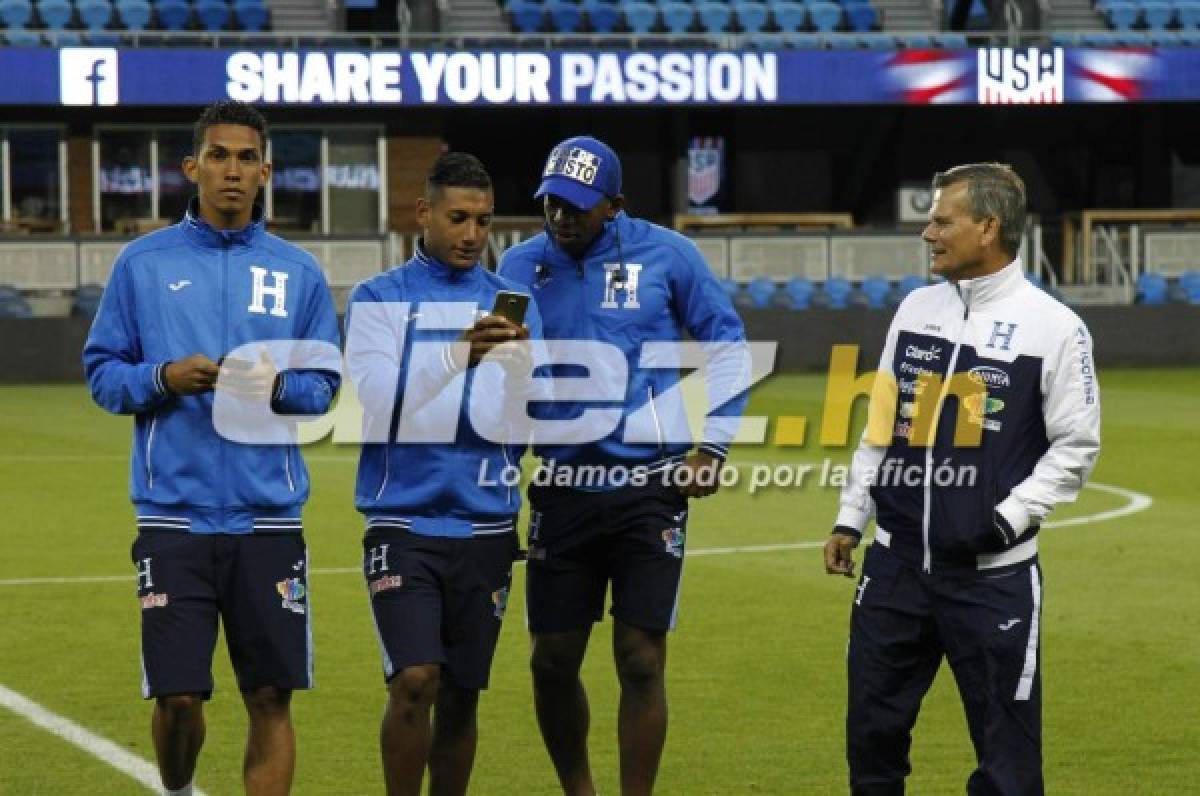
[[846, 530]]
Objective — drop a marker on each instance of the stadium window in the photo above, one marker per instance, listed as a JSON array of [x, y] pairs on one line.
[[33, 179], [294, 202], [327, 180], [125, 188], [174, 190]]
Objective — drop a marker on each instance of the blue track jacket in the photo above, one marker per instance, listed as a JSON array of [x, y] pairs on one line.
[[191, 289], [639, 283], [399, 328]]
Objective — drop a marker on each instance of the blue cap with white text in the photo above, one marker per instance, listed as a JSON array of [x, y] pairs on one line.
[[582, 171]]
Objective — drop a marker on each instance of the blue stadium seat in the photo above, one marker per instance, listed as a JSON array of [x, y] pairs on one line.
[[729, 287], [213, 15], [862, 17], [15, 13], [87, 300], [761, 291], [640, 16], [55, 14], [565, 16], [838, 291], [825, 16], [1123, 16], [172, 14], [95, 14], [1190, 283], [14, 305], [1158, 15], [876, 289], [799, 291], [715, 17], [602, 15], [9, 292], [133, 14], [751, 16], [1151, 289], [251, 15], [789, 17], [909, 283], [1188, 13], [527, 17], [677, 16]]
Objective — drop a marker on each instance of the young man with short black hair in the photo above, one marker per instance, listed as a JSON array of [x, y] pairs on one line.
[[219, 521], [426, 354]]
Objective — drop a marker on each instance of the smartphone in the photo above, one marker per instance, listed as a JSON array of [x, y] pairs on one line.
[[511, 305]]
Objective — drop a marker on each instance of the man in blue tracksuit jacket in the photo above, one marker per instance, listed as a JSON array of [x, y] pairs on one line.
[[615, 509], [437, 477], [219, 522]]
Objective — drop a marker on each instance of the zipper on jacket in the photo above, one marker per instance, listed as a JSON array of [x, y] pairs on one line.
[[224, 298], [658, 432], [149, 447], [927, 557]]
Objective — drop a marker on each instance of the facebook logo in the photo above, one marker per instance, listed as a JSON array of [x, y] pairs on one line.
[[88, 75]]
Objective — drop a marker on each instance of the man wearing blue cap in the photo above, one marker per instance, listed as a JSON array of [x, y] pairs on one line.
[[599, 275]]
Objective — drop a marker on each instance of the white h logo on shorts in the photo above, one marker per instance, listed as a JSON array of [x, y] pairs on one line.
[[377, 555], [143, 574]]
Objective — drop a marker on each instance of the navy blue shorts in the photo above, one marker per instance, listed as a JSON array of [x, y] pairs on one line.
[[579, 542], [439, 600], [257, 584]]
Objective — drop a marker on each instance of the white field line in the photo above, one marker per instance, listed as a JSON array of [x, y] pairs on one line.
[[1136, 502], [101, 748]]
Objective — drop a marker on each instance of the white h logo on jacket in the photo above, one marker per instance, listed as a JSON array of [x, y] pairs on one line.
[[277, 292]]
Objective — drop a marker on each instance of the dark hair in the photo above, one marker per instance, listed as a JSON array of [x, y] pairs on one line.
[[229, 112], [456, 170], [993, 189]]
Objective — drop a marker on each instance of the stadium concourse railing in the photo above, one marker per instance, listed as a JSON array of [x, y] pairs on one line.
[[376, 40]]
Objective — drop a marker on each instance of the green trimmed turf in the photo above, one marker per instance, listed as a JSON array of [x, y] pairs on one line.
[[756, 668]]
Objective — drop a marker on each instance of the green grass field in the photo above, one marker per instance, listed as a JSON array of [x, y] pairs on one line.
[[756, 674]]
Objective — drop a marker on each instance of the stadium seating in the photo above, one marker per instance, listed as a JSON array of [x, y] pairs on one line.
[[95, 14], [715, 17], [1158, 15], [55, 14], [602, 15], [789, 17], [527, 16], [565, 16], [87, 300], [134, 14], [1190, 283], [1123, 15], [15, 14], [799, 292], [677, 16], [861, 17], [172, 14], [1188, 13], [251, 15], [837, 290], [875, 289], [761, 291], [640, 16], [213, 15], [1152, 289], [825, 16], [13, 304], [751, 16]]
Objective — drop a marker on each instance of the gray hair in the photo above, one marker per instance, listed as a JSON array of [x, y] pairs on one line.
[[993, 189]]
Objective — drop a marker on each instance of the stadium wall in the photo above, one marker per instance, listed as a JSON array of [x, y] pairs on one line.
[[47, 350]]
